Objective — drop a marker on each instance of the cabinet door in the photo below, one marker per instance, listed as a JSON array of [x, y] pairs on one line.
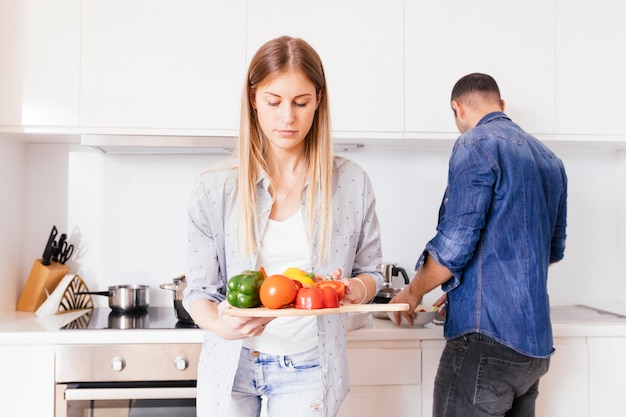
[[379, 401], [431, 354], [562, 391], [607, 370], [385, 379], [360, 43], [511, 41], [27, 386], [590, 68], [149, 66], [39, 75], [384, 366]]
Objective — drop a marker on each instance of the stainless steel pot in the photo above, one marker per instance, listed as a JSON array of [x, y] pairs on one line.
[[178, 286], [132, 320], [125, 298]]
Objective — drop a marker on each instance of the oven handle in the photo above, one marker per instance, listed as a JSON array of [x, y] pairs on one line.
[[72, 394]]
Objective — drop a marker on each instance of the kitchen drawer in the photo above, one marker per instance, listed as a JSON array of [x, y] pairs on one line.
[[372, 401], [126, 362], [384, 366]]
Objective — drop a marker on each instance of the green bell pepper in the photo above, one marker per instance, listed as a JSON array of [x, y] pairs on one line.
[[243, 290]]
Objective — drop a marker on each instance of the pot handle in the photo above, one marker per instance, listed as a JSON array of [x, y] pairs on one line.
[[169, 286], [93, 292]]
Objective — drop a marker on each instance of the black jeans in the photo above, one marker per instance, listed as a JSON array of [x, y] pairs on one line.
[[479, 377]]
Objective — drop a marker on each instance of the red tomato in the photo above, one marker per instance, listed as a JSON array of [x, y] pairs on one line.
[[330, 297], [277, 291], [338, 286], [310, 298], [298, 283]]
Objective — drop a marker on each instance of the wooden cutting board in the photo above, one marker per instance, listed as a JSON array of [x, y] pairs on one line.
[[282, 312]]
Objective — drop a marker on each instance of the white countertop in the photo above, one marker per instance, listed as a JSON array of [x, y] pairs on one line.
[[18, 328]]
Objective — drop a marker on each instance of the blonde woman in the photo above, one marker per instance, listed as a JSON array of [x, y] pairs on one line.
[[283, 201]]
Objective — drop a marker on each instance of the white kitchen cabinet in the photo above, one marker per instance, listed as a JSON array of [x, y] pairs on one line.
[[607, 376], [590, 67], [377, 401], [361, 46], [161, 66], [431, 354], [40, 71], [511, 41], [29, 391], [562, 391], [385, 379]]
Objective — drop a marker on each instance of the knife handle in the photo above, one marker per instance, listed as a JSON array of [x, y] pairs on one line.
[[49, 250]]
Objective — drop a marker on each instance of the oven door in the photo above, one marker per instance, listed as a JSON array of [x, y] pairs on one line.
[[129, 380], [115, 399]]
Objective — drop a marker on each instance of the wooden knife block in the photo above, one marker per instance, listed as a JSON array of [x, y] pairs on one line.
[[42, 278]]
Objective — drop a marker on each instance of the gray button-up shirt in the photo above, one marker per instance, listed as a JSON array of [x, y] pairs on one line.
[[215, 254]]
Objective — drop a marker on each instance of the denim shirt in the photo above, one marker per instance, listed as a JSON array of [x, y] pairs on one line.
[[501, 223], [214, 254]]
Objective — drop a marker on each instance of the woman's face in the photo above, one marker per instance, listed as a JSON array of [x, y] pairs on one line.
[[285, 105]]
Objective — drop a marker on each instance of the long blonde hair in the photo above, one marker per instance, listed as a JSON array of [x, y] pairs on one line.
[[277, 56]]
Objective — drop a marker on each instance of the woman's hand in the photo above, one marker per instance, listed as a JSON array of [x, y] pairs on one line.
[[356, 290], [211, 316], [334, 275], [230, 327]]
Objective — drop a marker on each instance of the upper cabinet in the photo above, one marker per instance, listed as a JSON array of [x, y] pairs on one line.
[[39, 75], [177, 68], [447, 39], [590, 68], [162, 66], [361, 46]]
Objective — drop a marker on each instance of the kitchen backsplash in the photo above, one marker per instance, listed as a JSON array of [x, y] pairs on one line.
[[126, 214]]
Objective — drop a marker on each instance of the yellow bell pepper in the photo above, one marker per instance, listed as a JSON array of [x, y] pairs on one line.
[[297, 274]]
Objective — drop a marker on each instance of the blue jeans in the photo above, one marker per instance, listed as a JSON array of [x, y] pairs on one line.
[[292, 384], [479, 377]]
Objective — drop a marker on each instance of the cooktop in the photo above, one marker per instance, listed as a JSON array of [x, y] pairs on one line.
[[152, 318]]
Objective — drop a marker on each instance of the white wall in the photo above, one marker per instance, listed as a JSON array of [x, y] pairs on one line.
[[12, 178], [127, 213], [621, 225], [409, 185]]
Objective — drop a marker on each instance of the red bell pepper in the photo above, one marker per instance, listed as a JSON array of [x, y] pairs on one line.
[[330, 297], [338, 286], [313, 298], [309, 298]]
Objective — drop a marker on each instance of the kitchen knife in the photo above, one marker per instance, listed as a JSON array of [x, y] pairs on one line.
[[49, 250], [58, 252]]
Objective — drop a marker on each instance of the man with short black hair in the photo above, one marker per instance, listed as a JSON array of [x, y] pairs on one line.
[[502, 222]]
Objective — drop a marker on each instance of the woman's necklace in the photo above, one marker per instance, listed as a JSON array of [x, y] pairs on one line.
[[285, 195]]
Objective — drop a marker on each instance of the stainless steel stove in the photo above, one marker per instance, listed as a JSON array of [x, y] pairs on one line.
[[152, 318], [139, 379]]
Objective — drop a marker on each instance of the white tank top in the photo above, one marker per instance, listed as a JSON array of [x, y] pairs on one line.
[[284, 245]]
